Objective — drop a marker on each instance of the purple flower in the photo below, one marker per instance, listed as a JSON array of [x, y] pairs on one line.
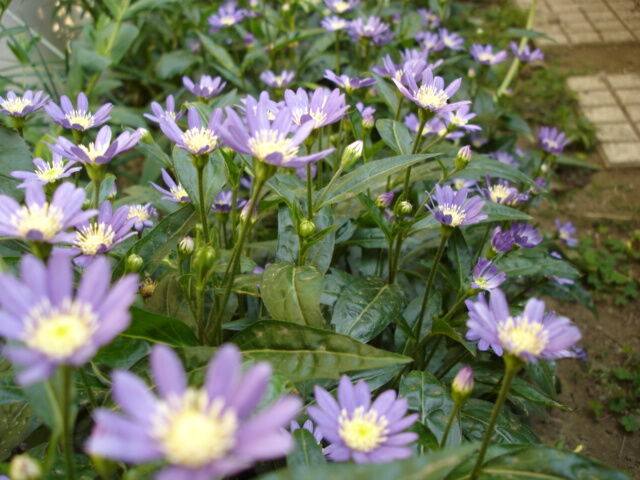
[[142, 216], [222, 203], [79, 118], [453, 208], [42, 221], [207, 87], [486, 276], [431, 41], [341, 6], [460, 119], [525, 236], [308, 425], [23, 105], [533, 335], [334, 24], [366, 113], [348, 83], [435, 126], [47, 172], [361, 430], [552, 140], [459, 183], [323, 106], [484, 55], [227, 16], [198, 139], [526, 54], [102, 235], [175, 193], [385, 199], [462, 384], [504, 157], [53, 326], [502, 241], [159, 112], [431, 94], [201, 433], [429, 18], [100, 151], [502, 192], [275, 142], [451, 40], [566, 232], [277, 81], [373, 31]]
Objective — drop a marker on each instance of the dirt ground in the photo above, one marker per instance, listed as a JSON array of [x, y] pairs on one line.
[[609, 197]]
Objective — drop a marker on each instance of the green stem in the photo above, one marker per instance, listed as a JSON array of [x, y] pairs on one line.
[[67, 426], [395, 259], [201, 203], [309, 192], [452, 416], [480, 249], [416, 147], [95, 203], [88, 389], [337, 44], [326, 189], [512, 365]]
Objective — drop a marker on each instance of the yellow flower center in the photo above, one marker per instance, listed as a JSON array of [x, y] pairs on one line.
[[51, 172], [193, 430], [199, 140], [456, 212], [45, 218], [228, 20], [481, 282], [364, 431], [455, 119], [80, 117], [337, 24], [549, 143], [91, 238], [179, 193], [448, 41], [340, 7], [16, 105], [59, 332], [267, 142], [486, 57], [520, 335], [430, 96], [139, 212], [94, 151], [499, 193]]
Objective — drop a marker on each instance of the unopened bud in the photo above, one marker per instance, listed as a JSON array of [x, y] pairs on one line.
[[204, 258], [306, 228], [24, 467], [352, 153], [471, 73], [463, 157], [385, 199], [147, 287], [404, 208], [145, 136], [462, 385], [186, 246], [134, 263]]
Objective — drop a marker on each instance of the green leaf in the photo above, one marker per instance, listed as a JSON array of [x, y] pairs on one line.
[[15, 425], [146, 5], [483, 165], [366, 306], [160, 329], [123, 353], [431, 400], [304, 353], [214, 176], [501, 213], [396, 135], [223, 61], [509, 429], [535, 262], [306, 451], [174, 63], [459, 254], [292, 293], [389, 94], [15, 155], [125, 37]]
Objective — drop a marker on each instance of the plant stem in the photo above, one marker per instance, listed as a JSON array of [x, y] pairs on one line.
[[201, 203], [452, 417], [337, 44], [310, 192], [485, 236], [416, 147], [67, 427], [88, 389], [95, 203], [511, 366], [395, 259]]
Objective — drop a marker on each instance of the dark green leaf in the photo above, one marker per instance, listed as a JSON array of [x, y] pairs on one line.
[[396, 135], [509, 429], [306, 451], [158, 328], [15, 155], [174, 63], [535, 262]]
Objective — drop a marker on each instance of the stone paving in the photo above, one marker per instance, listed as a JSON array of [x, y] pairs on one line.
[[612, 103]]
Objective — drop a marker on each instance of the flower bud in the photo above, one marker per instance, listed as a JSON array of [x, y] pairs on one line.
[[352, 153], [113, 192], [24, 467], [463, 157], [204, 258], [404, 208], [145, 136], [306, 227], [148, 287], [385, 199], [134, 263], [186, 246], [462, 385]]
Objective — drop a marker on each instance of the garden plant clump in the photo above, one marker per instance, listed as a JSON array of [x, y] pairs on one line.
[[281, 240]]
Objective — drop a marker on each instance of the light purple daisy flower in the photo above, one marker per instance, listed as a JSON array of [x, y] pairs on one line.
[[275, 142], [198, 139], [385, 199], [451, 40], [409, 55], [142, 216], [484, 54], [460, 119], [526, 54], [42, 221], [323, 106], [78, 118], [227, 16], [429, 18], [566, 232], [103, 234], [503, 192], [532, 335], [341, 6], [367, 114], [435, 126], [52, 325], [372, 30], [281, 80], [360, 430], [201, 433], [432, 94], [23, 105], [348, 83], [47, 172], [431, 41], [486, 276], [334, 23], [100, 151], [207, 87], [453, 208], [504, 157], [309, 426], [174, 192], [502, 241], [552, 140], [525, 235], [222, 203], [459, 183], [158, 112]]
